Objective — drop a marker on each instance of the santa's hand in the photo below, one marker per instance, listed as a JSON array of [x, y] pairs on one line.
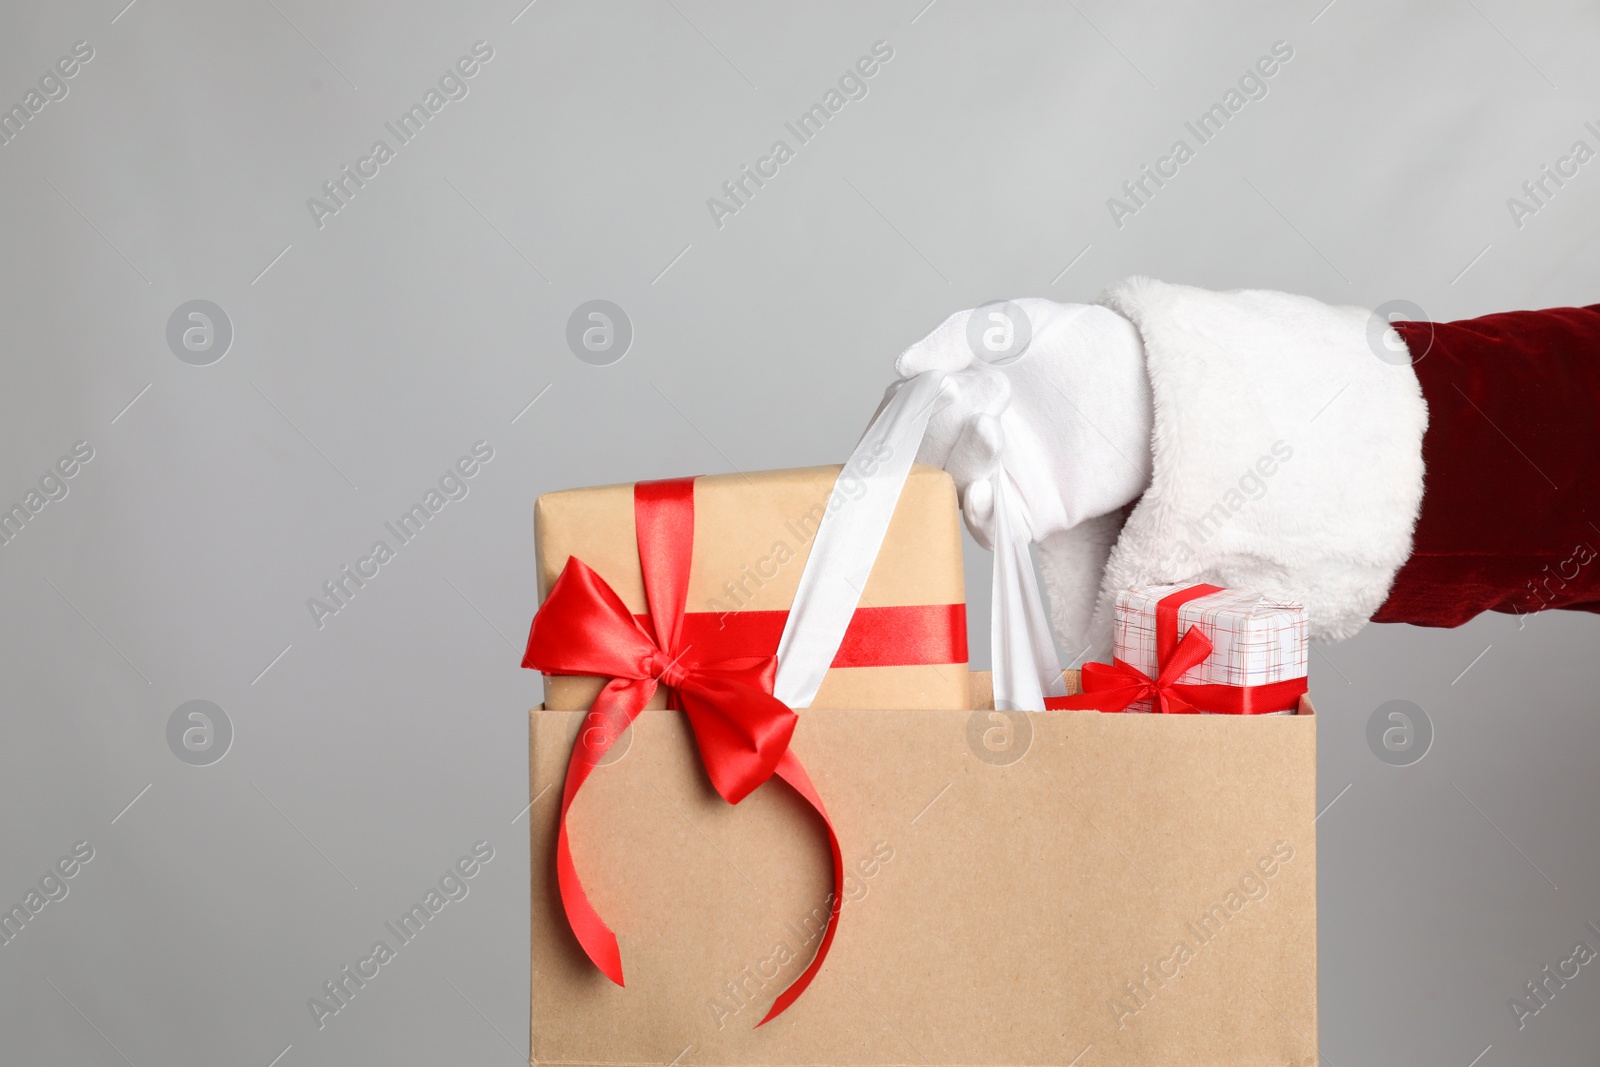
[[1054, 395]]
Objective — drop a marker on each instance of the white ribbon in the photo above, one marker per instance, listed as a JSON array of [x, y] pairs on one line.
[[1026, 667]]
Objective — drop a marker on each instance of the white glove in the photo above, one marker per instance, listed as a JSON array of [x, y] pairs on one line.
[[1056, 395]]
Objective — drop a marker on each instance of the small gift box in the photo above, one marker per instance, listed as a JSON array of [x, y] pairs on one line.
[[1199, 648]]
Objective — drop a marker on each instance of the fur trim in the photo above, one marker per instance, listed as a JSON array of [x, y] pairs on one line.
[[1070, 566], [1287, 456]]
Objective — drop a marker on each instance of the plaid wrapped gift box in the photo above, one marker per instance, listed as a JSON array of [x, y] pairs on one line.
[[1255, 640]]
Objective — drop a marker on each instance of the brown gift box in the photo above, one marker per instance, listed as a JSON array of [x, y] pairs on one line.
[[1025, 889], [753, 534]]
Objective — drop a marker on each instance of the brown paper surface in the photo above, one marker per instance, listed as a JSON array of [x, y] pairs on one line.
[[1047, 888], [753, 533]]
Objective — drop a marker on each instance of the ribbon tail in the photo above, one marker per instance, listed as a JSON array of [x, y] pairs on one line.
[[594, 936], [791, 771], [1109, 701], [1168, 702], [741, 732], [1106, 687], [1188, 654], [617, 701]]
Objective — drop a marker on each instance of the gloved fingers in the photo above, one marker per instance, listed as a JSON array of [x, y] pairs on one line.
[[977, 450], [979, 388], [977, 508], [944, 349], [964, 396]]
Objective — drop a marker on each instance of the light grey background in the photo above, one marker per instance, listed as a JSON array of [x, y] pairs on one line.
[[372, 352]]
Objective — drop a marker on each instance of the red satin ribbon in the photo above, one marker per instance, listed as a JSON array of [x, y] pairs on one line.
[[1112, 687], [902, 635], [741, 729]]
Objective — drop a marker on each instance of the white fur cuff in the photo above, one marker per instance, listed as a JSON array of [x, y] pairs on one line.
[[1287, 458]]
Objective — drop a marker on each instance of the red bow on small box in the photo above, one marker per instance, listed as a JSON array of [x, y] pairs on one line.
[[1113, 686], [740, 728]]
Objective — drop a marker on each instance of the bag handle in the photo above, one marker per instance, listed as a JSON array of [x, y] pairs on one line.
[[1026, 667]]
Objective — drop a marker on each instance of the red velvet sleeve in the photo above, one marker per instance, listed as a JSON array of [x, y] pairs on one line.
[[1510, 515]]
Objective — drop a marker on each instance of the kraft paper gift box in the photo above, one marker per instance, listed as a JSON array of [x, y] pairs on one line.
[[752, 537], [1060, 887], [1256, 641]]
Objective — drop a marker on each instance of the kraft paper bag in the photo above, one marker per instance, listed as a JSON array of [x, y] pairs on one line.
[[1023, 888]]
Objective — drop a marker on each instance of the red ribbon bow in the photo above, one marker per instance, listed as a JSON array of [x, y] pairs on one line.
[[1112, 687], [740, 728]]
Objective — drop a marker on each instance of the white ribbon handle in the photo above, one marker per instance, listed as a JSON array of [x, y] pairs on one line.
[[846, 545], [1021, 650]]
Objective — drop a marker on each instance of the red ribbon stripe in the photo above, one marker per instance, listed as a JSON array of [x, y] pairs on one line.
[[877, 637]]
